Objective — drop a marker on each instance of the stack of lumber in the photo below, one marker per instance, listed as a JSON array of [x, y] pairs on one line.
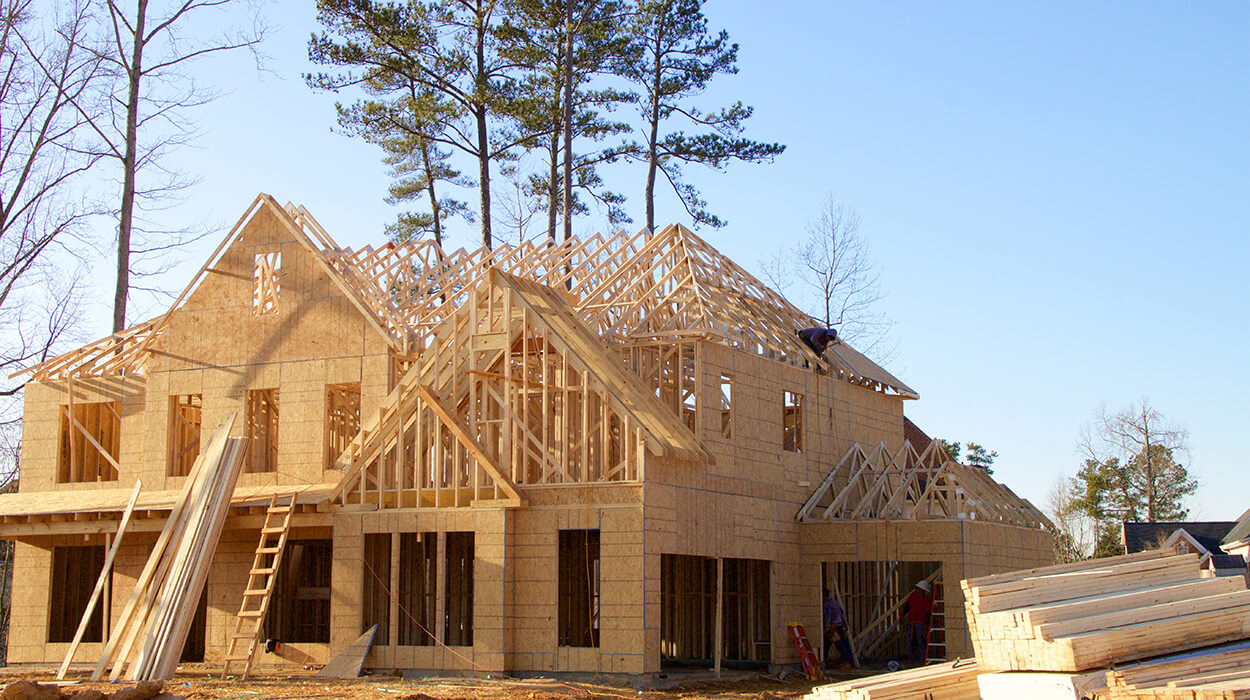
[[955, 680], [1215, 673], [162, 604], [1088, 615]]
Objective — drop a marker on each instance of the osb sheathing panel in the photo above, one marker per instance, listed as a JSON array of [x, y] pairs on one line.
[[533, 567], [41, 429], [752, 461], [964, 548]]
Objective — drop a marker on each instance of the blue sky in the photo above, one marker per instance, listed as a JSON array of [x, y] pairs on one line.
[[1055, 194]]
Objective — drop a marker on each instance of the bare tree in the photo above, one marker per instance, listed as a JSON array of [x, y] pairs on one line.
[[144, 116], [834, 267], [44, 67], [1075, 533]]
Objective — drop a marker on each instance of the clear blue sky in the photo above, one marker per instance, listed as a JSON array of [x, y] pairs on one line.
[[1056, 194]]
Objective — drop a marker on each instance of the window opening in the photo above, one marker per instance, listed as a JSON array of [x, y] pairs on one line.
[[375, 603], [342, 419], [185, 413], [75, 571], [262, 430], [90, 442], [300, 609], [579, 588], [726, 406], [266, 283], [418, 587], [792, 422], [459, 614]]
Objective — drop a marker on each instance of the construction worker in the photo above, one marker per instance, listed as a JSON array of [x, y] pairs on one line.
[[835, 630], [917, 610], [818, 338]]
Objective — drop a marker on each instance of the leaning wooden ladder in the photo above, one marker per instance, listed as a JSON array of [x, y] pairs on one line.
[[260, 580]]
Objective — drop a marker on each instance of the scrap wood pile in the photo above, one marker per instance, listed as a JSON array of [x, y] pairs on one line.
[[150, 633], [1216, 673], [955, 680], [1088, 615]]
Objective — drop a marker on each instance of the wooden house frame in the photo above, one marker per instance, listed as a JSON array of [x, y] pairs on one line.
[[599, 455]]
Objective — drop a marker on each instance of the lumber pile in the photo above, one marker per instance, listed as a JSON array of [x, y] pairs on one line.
[[159, 611], [1215, 673], [1088, 615], [955, 680]]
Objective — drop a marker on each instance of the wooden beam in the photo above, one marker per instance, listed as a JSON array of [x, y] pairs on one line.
[[471, 444], [105, 574]]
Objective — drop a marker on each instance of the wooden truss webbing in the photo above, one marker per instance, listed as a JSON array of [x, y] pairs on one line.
[[516, 390], [668, 285], [877, 484]]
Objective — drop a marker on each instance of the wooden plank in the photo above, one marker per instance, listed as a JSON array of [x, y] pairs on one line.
[[120, 634], [105, 574]]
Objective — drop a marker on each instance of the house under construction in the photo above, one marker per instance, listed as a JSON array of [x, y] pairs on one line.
[[605, 455]]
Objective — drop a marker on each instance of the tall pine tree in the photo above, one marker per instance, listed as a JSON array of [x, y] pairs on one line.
[[562, 47], [675, 57], [430, 64]]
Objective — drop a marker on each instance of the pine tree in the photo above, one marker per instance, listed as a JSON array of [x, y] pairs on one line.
[[434, 63], [562, 46], [675, 57]]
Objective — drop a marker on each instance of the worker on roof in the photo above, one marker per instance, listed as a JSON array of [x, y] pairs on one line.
[[835, 630], [917, 611], [818, 338]]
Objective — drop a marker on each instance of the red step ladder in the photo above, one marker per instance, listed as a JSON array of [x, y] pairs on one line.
[[811, 663]]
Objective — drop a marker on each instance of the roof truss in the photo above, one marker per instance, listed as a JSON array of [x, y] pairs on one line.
[[877, 484]]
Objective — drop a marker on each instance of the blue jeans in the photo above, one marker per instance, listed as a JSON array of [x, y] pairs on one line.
[[917, 641]]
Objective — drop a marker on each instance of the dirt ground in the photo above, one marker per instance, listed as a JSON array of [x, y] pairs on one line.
[[204, 685]]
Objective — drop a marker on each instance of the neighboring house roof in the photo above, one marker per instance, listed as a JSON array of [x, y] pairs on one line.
[[912, 433], [669, 284], [1138, 537], [1227, 561], [1240, 531]]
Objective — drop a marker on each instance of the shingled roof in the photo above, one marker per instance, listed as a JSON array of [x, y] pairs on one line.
[[1138, 537]]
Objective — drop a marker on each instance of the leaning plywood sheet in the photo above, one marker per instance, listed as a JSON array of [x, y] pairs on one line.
[[955, 680], [351, 661], [1077, 618]]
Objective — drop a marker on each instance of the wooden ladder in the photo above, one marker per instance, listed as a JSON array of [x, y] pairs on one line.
[[260, 580], [935, 647]]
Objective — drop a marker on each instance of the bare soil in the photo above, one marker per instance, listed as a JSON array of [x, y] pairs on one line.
[[193, 684]]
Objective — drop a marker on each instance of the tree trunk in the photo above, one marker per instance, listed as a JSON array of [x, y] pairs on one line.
[[483, 137], [429, 186], [126, 218], [553, 166], [653, 137], [568, 119]]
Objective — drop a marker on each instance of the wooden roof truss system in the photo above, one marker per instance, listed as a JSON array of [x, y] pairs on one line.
[[629, 288], [643, 287], [514, 390], [876, 484]]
